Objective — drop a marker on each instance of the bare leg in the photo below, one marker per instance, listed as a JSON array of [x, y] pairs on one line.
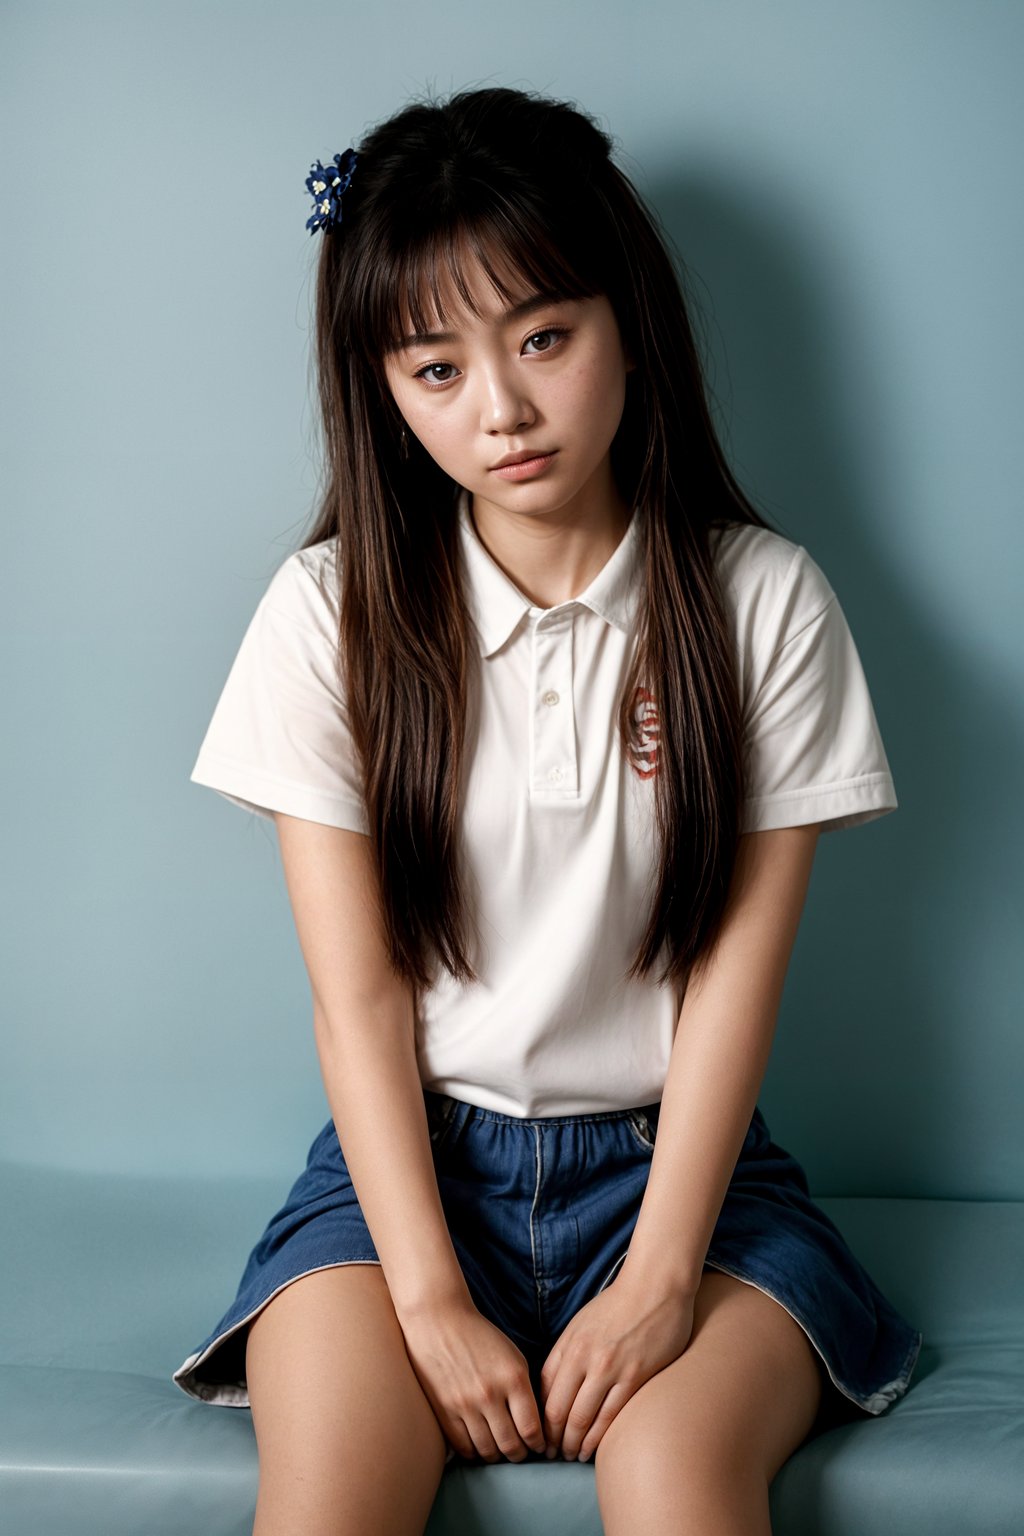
[[347, 1440], [693, 1452]]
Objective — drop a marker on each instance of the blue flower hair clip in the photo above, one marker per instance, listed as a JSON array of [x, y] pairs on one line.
[[327, 185]]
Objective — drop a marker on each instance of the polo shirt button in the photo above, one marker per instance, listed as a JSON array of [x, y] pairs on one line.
[[551, 697], [555, 775]]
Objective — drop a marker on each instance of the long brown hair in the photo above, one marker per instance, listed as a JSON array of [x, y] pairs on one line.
[[525, 184]]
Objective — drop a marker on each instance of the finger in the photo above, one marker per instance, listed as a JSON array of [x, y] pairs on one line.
[[549, 1370], [582, 1413], [483, 1440], [526, 1415], [558, 1403], [506, 1434], [613, 1403], [459, 1439]]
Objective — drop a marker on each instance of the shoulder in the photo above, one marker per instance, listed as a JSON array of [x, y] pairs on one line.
[[304, 588], [772, 586]]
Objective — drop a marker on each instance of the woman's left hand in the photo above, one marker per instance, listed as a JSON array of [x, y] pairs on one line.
[[620, 1339]]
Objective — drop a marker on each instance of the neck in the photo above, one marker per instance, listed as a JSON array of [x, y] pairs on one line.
[[553, 556]]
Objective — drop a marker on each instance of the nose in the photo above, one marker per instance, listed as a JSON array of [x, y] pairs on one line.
[[505, 408]]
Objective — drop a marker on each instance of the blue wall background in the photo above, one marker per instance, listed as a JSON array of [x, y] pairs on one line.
[[844, 181]]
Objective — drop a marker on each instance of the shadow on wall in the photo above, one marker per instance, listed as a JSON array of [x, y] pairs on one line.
[[919, 932]]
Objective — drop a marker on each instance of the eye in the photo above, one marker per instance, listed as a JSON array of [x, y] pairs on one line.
[[434, 374], [548, 338]]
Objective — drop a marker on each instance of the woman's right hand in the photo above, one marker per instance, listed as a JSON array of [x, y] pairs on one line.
[[476, 1380]]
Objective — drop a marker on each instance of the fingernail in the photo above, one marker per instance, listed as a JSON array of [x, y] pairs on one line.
[[583, 1456]]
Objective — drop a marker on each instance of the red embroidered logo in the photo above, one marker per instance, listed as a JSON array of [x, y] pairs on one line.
[[646, 731]]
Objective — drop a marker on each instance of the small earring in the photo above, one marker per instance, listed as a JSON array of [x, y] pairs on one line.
[[404, 444]]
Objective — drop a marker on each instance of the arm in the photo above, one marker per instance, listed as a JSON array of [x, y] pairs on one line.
[[644, 1319], [365, 1037], [476, 1380], [722, 1044]]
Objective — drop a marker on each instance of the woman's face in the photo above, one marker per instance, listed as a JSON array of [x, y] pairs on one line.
[[537, 381]]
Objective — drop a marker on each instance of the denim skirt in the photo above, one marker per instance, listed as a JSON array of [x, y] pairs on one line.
[[541, 1212]]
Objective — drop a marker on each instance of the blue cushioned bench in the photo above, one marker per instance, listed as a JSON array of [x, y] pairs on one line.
[[108, 1282]]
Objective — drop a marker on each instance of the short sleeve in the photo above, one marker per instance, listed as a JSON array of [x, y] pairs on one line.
[[279, 738], [813, 750]]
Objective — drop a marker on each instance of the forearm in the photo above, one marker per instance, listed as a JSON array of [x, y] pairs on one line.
[[721, 1049], [715, 1072], [373, 1087]]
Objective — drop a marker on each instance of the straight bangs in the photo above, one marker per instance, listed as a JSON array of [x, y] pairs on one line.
[[421, 275]]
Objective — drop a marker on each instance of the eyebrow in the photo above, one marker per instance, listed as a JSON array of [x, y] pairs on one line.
[[517, 312]]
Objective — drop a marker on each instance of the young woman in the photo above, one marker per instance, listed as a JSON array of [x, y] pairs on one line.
[[549, 720]]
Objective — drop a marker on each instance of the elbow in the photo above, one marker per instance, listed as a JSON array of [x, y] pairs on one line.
[[383, 1017]]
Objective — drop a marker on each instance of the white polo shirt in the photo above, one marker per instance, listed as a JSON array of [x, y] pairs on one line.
[[557, 823]]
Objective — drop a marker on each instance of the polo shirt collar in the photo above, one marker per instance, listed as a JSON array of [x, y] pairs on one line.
[[497, 605]]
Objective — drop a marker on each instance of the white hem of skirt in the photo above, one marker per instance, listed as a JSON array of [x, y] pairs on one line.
[[235, 1394]]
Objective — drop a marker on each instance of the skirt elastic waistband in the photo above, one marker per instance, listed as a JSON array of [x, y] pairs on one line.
[[447, 1104]]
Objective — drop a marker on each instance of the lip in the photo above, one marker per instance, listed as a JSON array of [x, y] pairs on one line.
[[523, 466]]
